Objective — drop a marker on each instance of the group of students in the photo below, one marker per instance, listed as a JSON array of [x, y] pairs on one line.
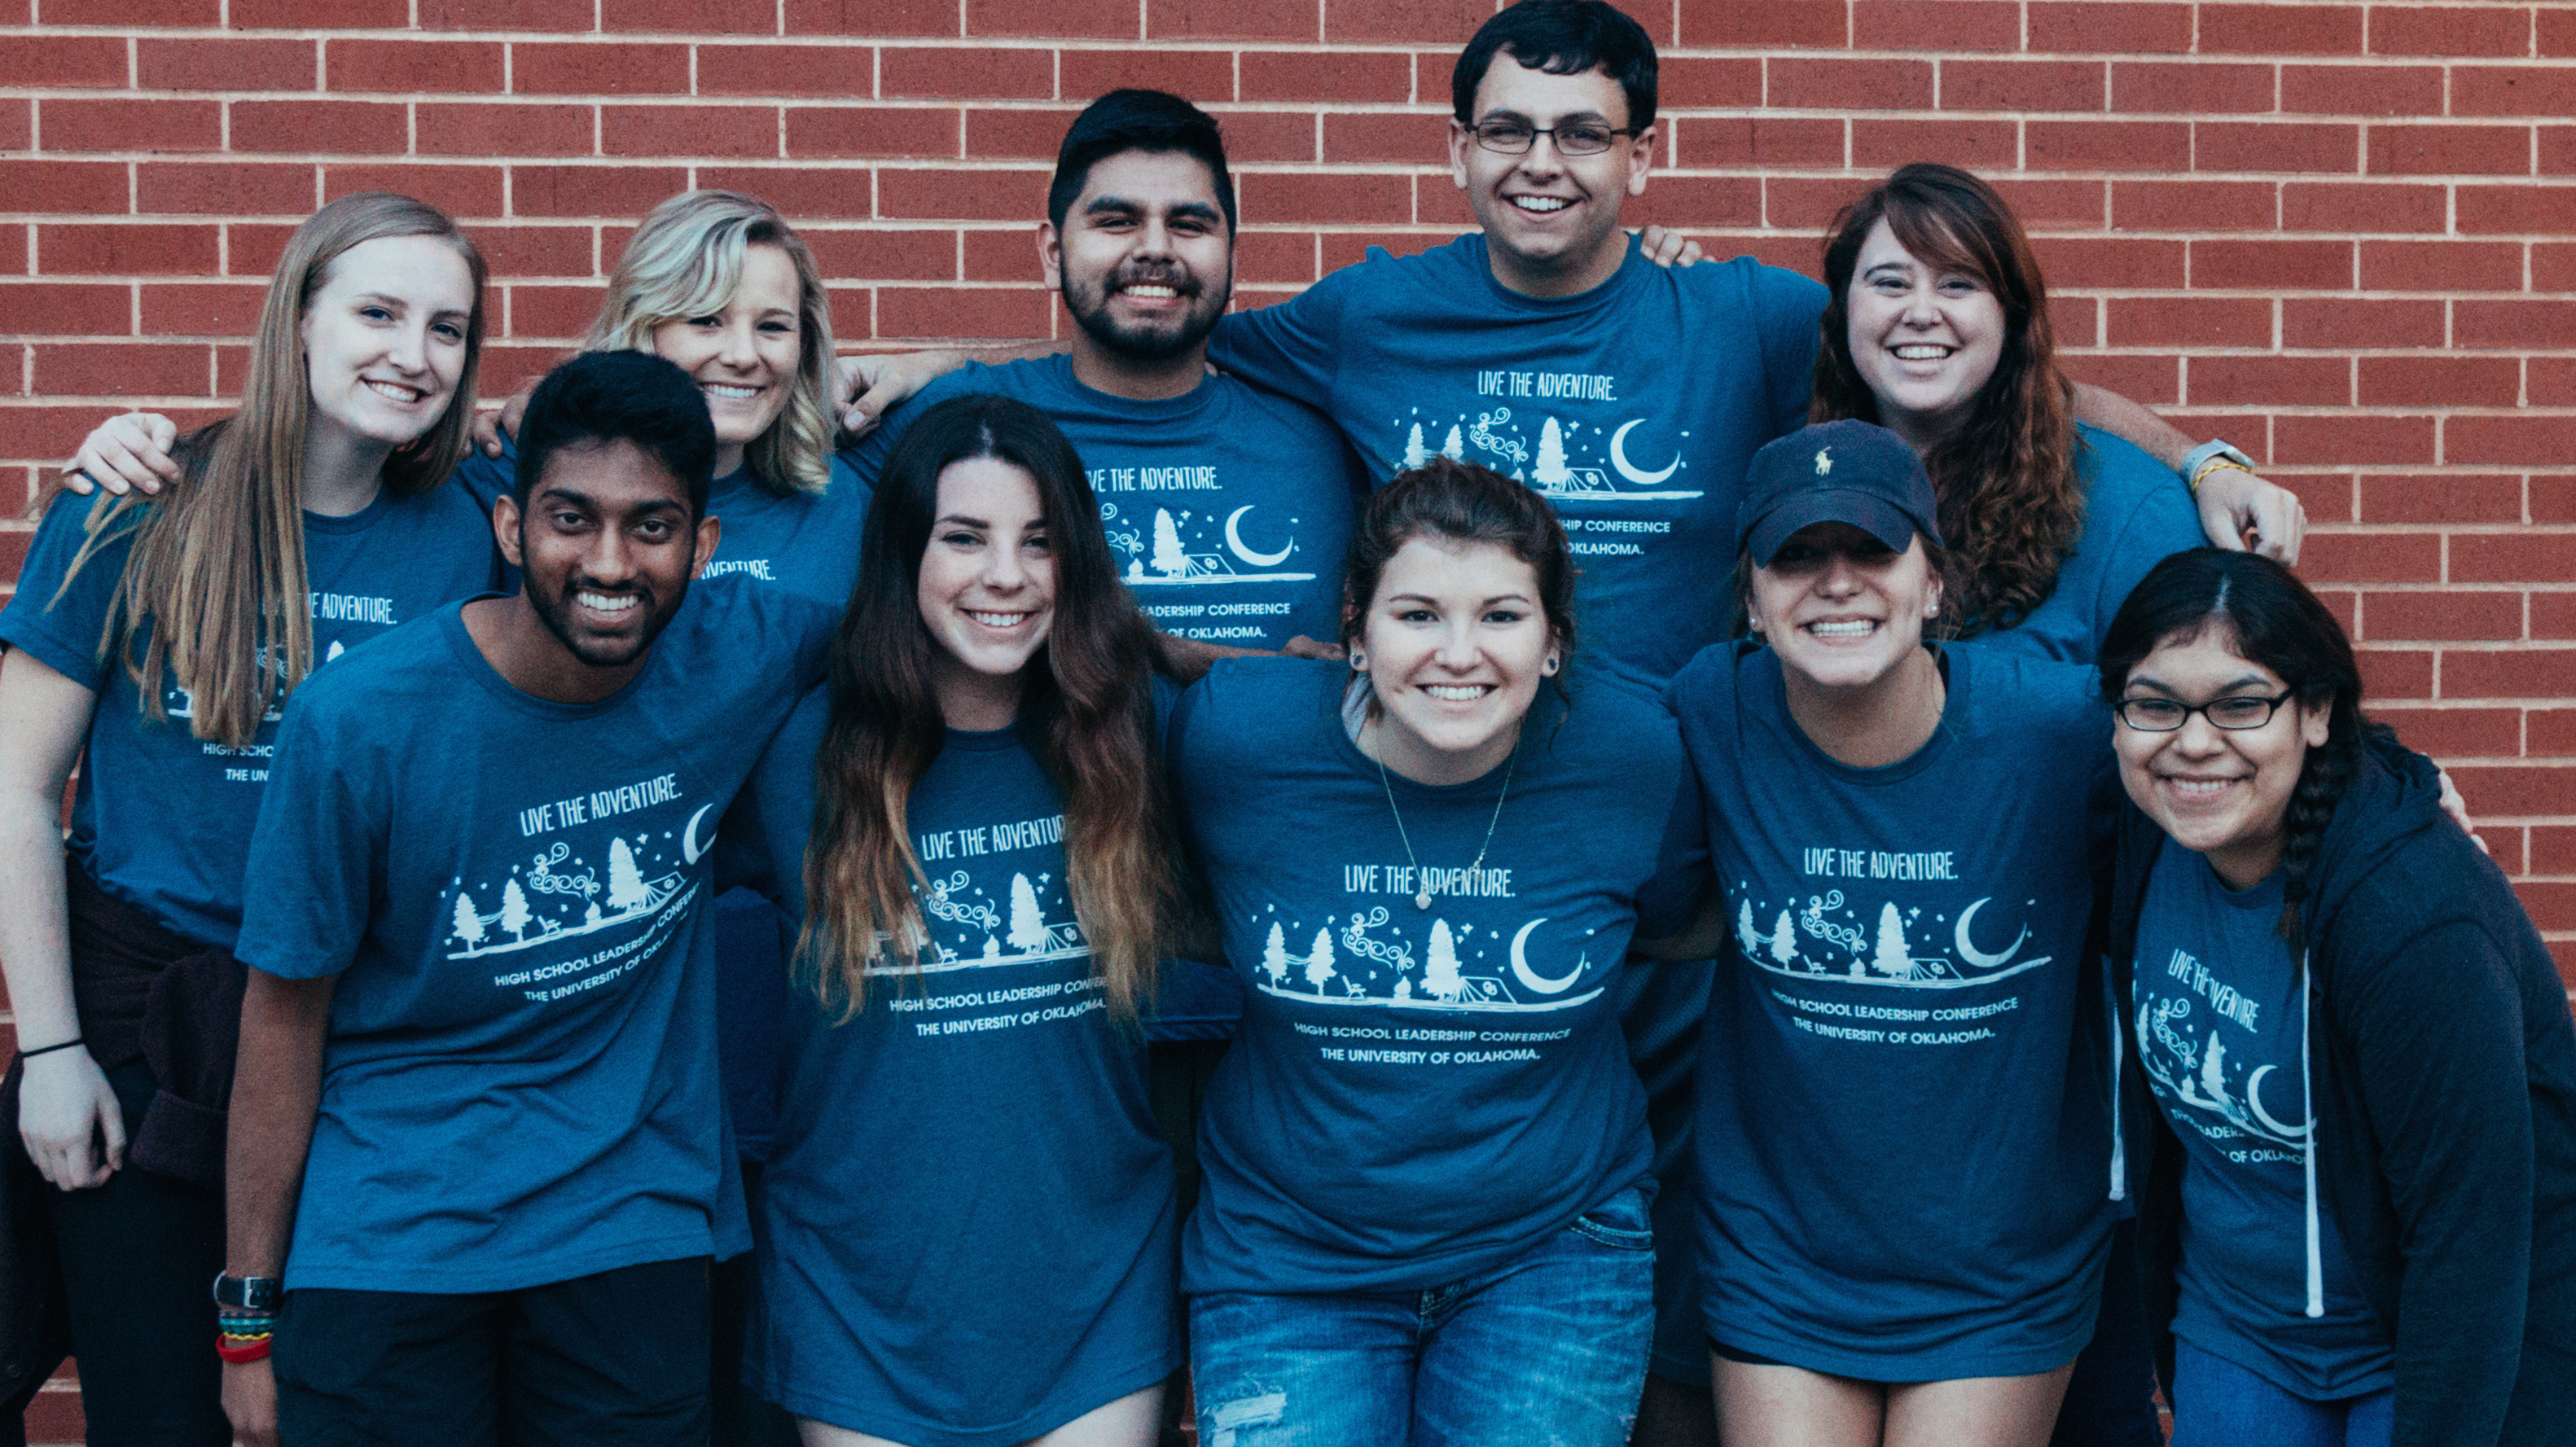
[[1563, 850]]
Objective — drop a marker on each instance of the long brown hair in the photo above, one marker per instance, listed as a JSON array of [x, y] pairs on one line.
[[218, 564], [2011, 503], [1086, 705]]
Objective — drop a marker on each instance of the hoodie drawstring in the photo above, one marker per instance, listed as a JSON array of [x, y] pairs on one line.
[[2119, 1143], [2307, 1087]]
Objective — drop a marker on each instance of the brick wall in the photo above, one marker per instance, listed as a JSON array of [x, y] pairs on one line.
[[2342, 235]]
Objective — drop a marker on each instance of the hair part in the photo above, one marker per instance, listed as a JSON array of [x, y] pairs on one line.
[[599, 398], [1132, 119], [685, 261], [2263, 614], [218, 562], [2011, 502], [1561, 37], [1086, 708]]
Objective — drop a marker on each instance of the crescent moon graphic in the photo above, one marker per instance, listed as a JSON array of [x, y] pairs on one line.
[[1527, 976], [690, 848], [1619, 459], [1234, 540], [1977, 957], [2254, 1098]]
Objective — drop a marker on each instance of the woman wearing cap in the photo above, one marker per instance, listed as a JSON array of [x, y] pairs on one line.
[[1902, 1148]]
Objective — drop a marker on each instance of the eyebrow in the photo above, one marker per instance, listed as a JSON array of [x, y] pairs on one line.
[[557, 492], [2242, 680], [1488, 603], [1102, 204], [1570, 118]]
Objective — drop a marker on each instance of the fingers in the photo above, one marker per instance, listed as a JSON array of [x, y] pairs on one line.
[[1302, 646], [486, 432], [1662, 247], [848, 380], [1691, 254], [515, 410], [111, 1130], [122, 455]]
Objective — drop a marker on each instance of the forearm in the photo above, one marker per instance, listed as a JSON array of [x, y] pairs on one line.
[[35, 928], [277, 1090], [2132, 423]]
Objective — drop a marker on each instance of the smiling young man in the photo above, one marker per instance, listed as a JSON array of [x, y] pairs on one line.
[[479, 1132]]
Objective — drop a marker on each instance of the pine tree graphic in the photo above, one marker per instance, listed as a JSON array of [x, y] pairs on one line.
[[1169, 560], [1028, 927], [1784, 940], [1415, 454], [1440, 978], [1455, 448], [1750, 942], [1274, 956], [469, 925], [1550, 470], [514, 911], [1892, 959], [1319, 962], [625, 882]]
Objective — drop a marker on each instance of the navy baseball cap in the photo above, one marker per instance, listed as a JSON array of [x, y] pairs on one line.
[[1835, 472]]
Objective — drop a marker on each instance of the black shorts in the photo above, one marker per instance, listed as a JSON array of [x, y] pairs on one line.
[[618, 1357]]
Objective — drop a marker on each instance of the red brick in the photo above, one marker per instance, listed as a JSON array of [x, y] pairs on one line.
[[2154, 381], [2362, 206], [2267, 146], [204, 64], [2347, 440], [2513, 90], [587, 67], [2553, 615], [872, 17], [319, 14], [1253, 136], [506, 367], [2107, 145], [2439, 497], [2328, 497], [1235, 19], [337, 127], [493, 129], [2280, 29], [2389, 673], [955, 195], [2075, 319], [2483, 614], [1200, 75], [95, 250], [2556, 32], [461, 191], [1754, 141], [2301, 265], [253, 249], [2526, 557], [44, 308], [62, 61], [508, 14], [1682, 80], [58, 187], [2113, 28], [2450, 30], [2512, 324], [1344, 248], [1096, 19], [132, 125], [919, 312], [1972, 145], [1341, 198], [2440, 382], [553, 311], [1769, 25], [536, 251], [2553, 499], [2124, 262], [2550, 381], [2362, 90], [944, 73], [2371, 557], [1272, 256], [1808, 204], [696, 130], [2193, 205], [1280, 75], [824, 70], [1441, 22], [2450, 150], [2526, 441], [703, 17], [202, 309], [2551, 904], [1697, 201], [2270, 381], [413, 66], [621, 191], [2441, 266], [2492, 209], [2557, 150], [124, 369], [1022, 134], [2054, 203], [2511, 673], [2190, 322], [2337, 322], [2190, 87], [889, 131], [1943, 25], [2553, 847], [2457, 733], [1844, 85], [996, 256], [1409, 140], [128, 14]]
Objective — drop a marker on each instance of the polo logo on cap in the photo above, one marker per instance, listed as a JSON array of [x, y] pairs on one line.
[[1824, 460]]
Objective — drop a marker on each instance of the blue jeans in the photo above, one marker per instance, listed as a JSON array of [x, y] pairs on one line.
[[1547, 1350], [2220, 1404]]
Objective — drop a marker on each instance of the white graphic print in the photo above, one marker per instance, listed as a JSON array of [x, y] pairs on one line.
[[1600, 465], [1895, 948], [967, 927], [2199, 1071], [1348, 962], [1168, 559]]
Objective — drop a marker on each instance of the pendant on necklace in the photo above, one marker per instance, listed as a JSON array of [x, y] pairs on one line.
[[1422, 900]]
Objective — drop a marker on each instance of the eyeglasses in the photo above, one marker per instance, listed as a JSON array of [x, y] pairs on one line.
[[1513, 138], [2238, 711]]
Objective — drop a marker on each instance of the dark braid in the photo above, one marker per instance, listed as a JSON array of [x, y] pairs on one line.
[[2321, 782]]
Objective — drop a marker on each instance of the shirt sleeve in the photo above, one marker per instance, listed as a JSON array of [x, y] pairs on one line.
[[1667, 901], [2162, 522], [1291, 347], [314, 855], [61, 626], [487, 479], [1786, 308], [761, 843]]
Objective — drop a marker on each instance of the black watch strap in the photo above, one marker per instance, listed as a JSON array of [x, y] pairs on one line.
[[249, 1293]]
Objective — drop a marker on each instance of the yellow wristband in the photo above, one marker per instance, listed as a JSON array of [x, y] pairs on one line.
[[2213, 465]]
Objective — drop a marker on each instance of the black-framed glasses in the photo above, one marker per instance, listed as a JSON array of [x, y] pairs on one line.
[[2236, 711], [1514, 138]]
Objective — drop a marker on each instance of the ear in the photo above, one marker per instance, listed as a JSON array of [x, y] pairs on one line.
[[1641, 158], [1050, 255], [710, 532], [1358, 658], [506, 523], [1460, 138], [2316, 723]]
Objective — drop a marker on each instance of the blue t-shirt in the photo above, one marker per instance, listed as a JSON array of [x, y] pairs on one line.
[[519, 1085], [1903, 1157], [2217, 1000], [2136, 514], [163, 819], [1635, 407], [1420, 1095], [967, 1223], [1229, 507]]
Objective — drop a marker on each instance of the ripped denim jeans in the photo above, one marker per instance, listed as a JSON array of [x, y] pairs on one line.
[[1547, 1350]]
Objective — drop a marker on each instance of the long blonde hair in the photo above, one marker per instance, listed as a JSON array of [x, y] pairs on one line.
[[686, 261], [218, 564]]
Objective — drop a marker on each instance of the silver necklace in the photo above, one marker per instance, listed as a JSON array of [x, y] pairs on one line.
[[1422, 897]]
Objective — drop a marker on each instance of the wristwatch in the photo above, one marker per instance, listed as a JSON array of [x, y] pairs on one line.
[[2207, 452], [249, 1293]]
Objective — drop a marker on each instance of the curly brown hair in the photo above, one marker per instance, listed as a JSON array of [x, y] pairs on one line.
[[2011, 501]]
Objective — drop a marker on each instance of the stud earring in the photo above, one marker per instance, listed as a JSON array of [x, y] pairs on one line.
[[1359, 661], [1549, 667]]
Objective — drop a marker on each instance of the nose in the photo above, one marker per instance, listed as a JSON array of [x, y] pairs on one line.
[[740, 348], [1003, 570], [1542, 158], [1839, 579], [1154, 238], [2198, 737], [1922, 307], [610, 559], [1457, 648], [408, 348]]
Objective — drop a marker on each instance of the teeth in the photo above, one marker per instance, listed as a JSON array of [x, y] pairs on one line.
[[998, 620], [1154, 293], [1455, 692], [396, 390], [1922, 352], [729, 392], [2199, 786], [1541, 203], [1856, 628], [607, 603]]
